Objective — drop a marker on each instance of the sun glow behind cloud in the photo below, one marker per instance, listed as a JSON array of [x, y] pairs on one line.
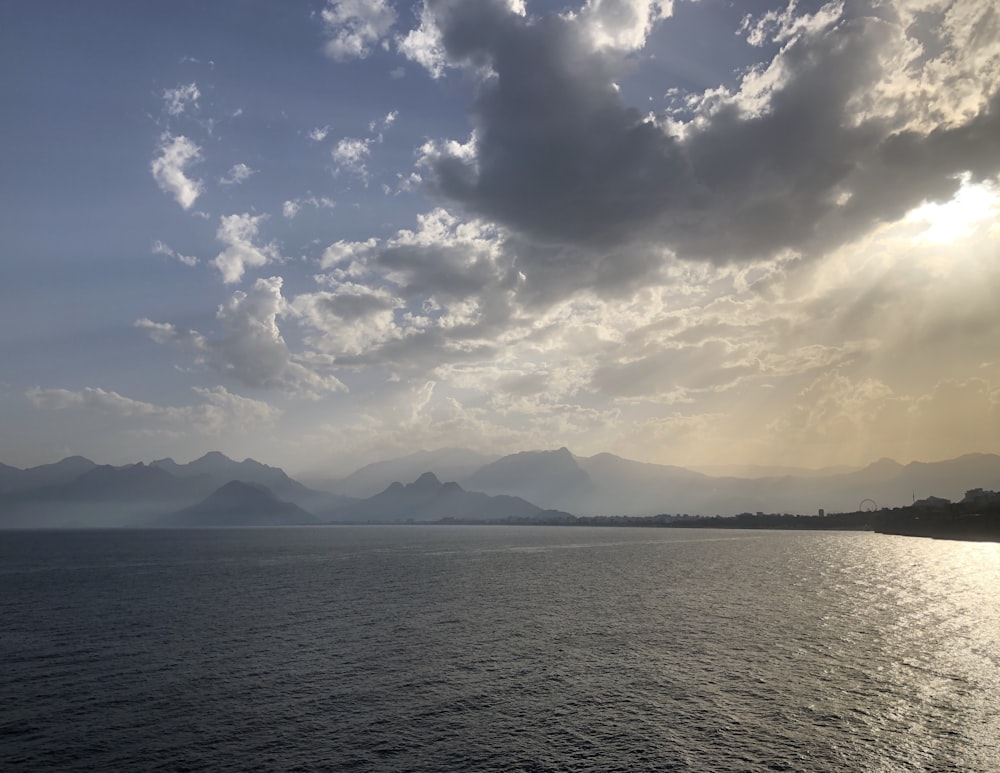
[[973, 205]]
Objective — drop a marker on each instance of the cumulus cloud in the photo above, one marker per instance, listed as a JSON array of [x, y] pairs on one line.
[[440, 293], [801, 157], [177, 100], [354, 27], [249, 346], [350, 319], [169, 168], [239, 233], [621, 25], [600, 272], [217, 410], [423, 44], [350, 155], [237, 174]]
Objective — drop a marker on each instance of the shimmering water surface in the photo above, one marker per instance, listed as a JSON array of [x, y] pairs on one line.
[[495, 648]]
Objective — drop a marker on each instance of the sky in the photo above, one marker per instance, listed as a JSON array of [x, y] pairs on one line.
[[322, 234]]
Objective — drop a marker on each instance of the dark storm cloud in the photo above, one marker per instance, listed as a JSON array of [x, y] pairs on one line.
[[559, 159], [557, 154]]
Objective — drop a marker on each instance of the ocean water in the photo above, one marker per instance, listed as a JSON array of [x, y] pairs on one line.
[[497, 648]]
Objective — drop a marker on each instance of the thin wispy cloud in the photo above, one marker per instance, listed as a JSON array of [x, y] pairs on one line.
[[179, 100]]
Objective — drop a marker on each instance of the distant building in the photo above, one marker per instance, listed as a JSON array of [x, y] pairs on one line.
[[981, 497], [932, 503], [822, 512]]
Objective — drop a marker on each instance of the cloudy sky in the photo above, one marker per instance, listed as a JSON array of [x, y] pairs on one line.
[[321, 234]]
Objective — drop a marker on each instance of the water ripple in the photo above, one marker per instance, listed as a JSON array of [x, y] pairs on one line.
[[479, 649]]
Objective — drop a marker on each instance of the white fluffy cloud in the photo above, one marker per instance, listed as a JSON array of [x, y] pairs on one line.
[[169, 168], [622, 24], [350, 319], [354, 27], [239, 233], [350, 155]]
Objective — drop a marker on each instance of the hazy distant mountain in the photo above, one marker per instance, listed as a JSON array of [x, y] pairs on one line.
[[76, 492], [447, 463], [13, 479], [604, 468], [131, 482], [552, 479], [102, 496], [762, 471], [428, 499], [624, 486], [603, 484], [238, 503], [609, 485], [221, 469], [887, 483]]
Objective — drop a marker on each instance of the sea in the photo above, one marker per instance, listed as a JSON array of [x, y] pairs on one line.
[[493, 648]]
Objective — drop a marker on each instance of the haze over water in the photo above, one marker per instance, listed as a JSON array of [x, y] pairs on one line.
[[498, 648]]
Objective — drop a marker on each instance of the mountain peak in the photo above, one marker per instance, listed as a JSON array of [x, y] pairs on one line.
[[885, 463], [426, 482], [212, 456], [238, 490]]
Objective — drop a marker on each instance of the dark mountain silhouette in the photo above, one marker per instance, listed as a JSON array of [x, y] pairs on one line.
[[428, 499], [447, 463], [132, 482], [221, 469], [239, 503], [13, 479], [130, 495], [9, 476]]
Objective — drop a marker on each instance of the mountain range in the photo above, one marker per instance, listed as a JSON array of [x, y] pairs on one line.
[[76, 492], [239, 504], [605, 484], [428, 499], [216, 490]]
